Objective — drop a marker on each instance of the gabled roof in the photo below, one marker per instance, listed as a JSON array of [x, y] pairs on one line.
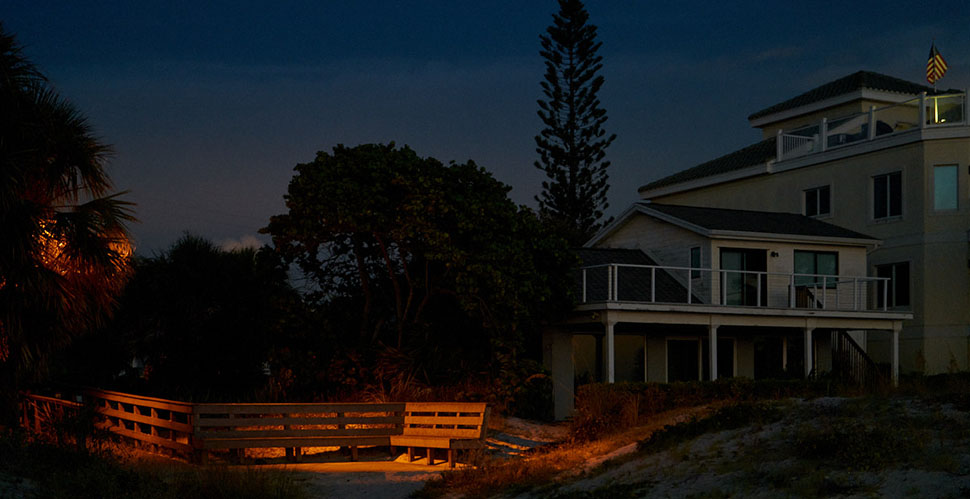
[[714, 222], [847, 84], [755, 154]]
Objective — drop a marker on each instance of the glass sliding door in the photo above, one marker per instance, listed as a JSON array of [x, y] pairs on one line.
[[743, 285]]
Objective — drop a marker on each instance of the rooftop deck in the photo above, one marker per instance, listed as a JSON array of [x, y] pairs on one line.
[[925, 111]]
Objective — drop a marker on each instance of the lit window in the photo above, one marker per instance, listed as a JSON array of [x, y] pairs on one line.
[[945, 184], [887, 195], [818, 201]]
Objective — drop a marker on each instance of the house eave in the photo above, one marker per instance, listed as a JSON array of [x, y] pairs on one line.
[[861, 94]]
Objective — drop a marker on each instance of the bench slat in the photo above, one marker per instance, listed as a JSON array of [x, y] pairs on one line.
[[442, 432], [297, 408], [443, 420], [321, 420], [363, 432], [477, 407], [246, 443]]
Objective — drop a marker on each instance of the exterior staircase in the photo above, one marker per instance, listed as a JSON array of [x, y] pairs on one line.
[[851, 364]]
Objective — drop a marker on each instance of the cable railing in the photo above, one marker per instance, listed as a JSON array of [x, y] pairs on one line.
[[736, 288], [924, 111]]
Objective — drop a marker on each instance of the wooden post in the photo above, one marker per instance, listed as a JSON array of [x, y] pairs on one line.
[[451, 458], [808, 351], [430, 456], [712, 350], [897, 326], [609, 322]]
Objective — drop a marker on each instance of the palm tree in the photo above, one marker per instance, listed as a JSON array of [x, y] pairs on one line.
[[64, 246]]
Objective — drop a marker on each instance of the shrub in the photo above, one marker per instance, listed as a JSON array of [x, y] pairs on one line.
[[606, 408], [533, 398]]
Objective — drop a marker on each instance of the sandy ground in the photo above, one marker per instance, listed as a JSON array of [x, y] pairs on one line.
[[376, 475], [762, 461]]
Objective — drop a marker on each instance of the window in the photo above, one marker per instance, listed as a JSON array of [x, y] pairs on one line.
[[695, 262], [818, 201], [945, 184], [821, 263], [887, 195], [898, 290]]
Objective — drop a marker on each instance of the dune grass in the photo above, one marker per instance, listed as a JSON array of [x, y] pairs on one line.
[[35, 469]]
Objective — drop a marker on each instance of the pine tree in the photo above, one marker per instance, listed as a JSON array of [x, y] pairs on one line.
[[573, 143]]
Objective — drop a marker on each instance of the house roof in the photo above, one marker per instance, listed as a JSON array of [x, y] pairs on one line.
[[761, 152], [754, 154], [718, 221], [847, 84]]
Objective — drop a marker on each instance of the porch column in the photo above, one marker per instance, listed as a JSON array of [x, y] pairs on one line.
[[897, 326], [609, 322], [808, 351], [712, 336]]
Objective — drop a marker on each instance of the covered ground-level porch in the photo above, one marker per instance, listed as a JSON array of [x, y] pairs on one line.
[[616, 341]]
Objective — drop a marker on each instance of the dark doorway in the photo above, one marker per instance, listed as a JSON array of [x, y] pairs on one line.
[[683, 363]]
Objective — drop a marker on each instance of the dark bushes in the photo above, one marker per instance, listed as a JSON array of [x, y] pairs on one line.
[[606, 408]]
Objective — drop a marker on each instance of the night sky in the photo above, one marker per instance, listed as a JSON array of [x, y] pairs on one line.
[[209, 105]]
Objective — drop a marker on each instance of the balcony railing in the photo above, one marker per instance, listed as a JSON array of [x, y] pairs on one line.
[[925, 111], [735, 288]]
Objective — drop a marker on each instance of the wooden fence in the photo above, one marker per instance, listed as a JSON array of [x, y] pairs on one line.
[[154, 421], [194, 429]]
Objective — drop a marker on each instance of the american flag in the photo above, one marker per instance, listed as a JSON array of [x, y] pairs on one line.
[[935, 66]]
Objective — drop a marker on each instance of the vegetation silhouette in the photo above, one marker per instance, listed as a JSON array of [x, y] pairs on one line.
[[64, 245], [572, 145], [426, 273]]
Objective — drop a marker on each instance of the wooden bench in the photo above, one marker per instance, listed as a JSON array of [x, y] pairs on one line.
[[294, 426], [442, 425]]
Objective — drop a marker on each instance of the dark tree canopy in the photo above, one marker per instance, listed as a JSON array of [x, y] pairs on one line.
[[200, 320], [64, 247], [572, 145], [420, 257]]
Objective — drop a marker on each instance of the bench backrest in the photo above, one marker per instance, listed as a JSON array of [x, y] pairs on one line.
[[297, 420], [446, 419]]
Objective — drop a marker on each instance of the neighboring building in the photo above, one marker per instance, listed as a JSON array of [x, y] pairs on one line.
[[676, 293], [877, 155], [847, 228]]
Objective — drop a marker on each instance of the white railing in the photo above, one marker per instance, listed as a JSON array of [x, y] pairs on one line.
[[683, 285], [925, 111]]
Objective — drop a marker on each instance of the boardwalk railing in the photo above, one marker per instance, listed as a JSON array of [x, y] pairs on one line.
[[155, 421], [195, 429]]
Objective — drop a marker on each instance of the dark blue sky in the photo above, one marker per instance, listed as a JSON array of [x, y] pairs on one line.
[[209, 105]]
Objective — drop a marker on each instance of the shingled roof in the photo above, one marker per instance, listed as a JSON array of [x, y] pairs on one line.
[[762, 222], [754, 154], [847, 84]]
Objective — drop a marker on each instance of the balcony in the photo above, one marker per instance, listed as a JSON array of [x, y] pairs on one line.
[[656, 284], [925, 111]]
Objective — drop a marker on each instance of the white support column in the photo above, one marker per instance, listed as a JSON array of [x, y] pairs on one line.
[[610, 322], [712, 351], [808, 351], [922, 110], [897, 326]]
